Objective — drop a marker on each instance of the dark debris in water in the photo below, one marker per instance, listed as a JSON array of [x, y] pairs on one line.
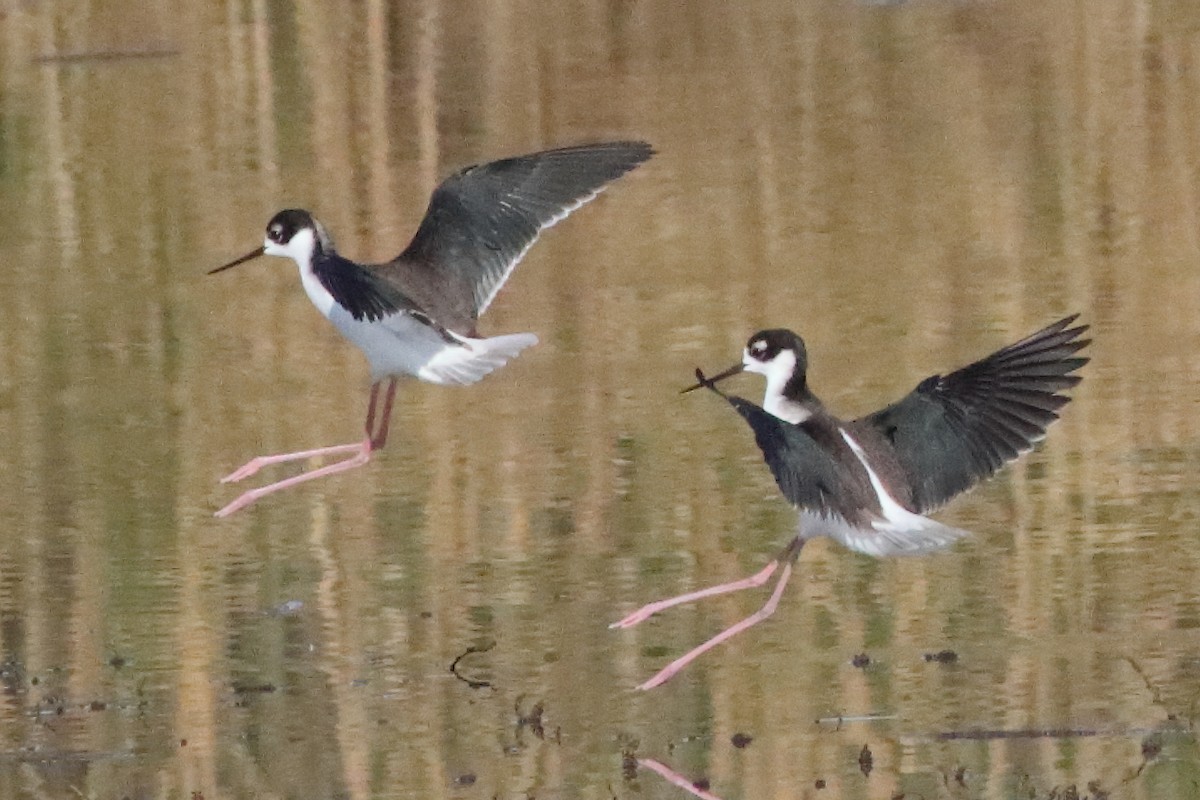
[[531, 720], [741, 740], [474, 684], [1027, 791], [1151, 747], [629, 762], [1070, 792], [54, 706], [254, 688], [866, 762], [942, 657]]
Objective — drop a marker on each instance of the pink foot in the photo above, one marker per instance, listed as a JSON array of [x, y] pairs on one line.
[[676, 779], [669, 671], [362, 456], [258, 462], [645, 612]]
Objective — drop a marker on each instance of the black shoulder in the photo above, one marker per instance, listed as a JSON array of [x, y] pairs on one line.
[[361, 292]]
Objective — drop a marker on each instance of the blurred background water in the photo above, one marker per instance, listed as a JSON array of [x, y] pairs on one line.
[[908, 185]]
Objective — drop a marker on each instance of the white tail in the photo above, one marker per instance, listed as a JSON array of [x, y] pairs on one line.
[[476, 358]]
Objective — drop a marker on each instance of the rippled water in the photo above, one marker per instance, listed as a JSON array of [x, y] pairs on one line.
[[907, 185]]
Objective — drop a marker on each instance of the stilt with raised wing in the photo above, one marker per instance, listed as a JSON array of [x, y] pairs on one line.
[[869, 483], [416, 314]]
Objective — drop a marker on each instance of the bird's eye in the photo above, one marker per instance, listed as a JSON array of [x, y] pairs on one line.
[[758, 349], [275, 232]]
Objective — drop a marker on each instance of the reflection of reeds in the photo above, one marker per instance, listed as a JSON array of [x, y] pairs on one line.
[[908, 187]]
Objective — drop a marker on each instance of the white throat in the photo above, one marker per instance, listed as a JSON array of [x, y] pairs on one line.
[[299, 248], [778, 371]]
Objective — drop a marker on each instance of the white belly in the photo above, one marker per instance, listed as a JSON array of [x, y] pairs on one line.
[[396, 345], [399, 345]]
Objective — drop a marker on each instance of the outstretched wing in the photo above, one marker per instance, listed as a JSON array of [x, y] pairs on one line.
[[481, 220], [954, 430]]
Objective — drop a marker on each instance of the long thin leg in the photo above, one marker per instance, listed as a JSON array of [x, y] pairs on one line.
[[676, 779], [255, 464], [669, 671], [644, 613], [380, 439], [371, 407], [788, 557], [650, 609], [253, 495], [258, 462], [362, 454]]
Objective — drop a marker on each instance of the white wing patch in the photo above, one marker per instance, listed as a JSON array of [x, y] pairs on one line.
[[898, 532]]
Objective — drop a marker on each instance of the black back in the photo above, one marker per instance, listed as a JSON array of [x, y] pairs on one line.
[[954, 430], [362, 292], [811, 462]]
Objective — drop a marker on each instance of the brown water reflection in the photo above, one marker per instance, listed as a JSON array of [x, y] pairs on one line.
[[908, 186]]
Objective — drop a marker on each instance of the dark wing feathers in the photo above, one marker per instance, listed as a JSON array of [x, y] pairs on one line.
[[363, 293], [954, 430], [481, 220], [805, 473]]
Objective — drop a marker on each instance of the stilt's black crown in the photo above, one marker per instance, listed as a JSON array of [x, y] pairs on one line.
[[766, 345], [287, 223]]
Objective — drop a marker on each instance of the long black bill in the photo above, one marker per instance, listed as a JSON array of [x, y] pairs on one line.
[[720, 376], [253, 254]]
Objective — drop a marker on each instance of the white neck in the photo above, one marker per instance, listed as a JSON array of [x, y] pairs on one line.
[[299, 248], [787, 410], [778, 371]]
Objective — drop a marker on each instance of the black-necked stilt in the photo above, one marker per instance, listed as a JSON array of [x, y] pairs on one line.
[[868, 483], [416, 315]]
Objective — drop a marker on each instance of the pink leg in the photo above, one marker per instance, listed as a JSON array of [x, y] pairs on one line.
[[667, 672], [675, 778], [258, 462], [362, 457], [255, 464], [362, 454], [380, 439], [645, 612]]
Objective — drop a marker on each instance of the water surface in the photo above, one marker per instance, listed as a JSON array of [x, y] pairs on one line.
[[909, 186]]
